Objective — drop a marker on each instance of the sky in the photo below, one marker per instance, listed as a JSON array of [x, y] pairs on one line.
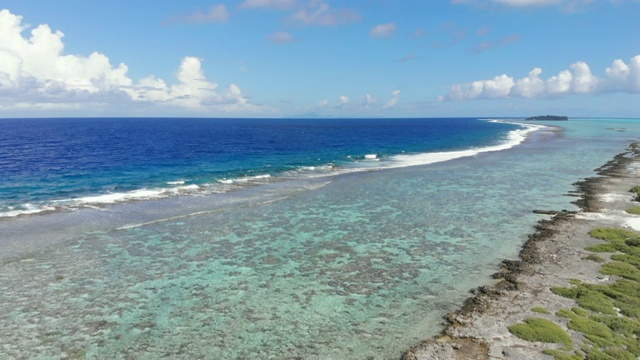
[[319, 58]]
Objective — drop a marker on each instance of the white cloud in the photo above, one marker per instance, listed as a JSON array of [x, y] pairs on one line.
[[193, 91], [318, 12], [281, 37], [367, 104], [498, 87], [268, 4], [383, 30], [39, 61], [35, 73], [622, 77], [529, 87], [559, 84], [579, 79], [583, 80], [193, 86], [395, 96]]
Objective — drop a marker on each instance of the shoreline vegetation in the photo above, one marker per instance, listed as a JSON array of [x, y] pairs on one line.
[[549, 118], [574, 293]]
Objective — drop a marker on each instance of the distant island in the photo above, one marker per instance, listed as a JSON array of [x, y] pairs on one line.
[[549, 117]]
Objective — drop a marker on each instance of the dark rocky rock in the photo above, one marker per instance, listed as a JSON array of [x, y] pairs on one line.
[[549, 118]]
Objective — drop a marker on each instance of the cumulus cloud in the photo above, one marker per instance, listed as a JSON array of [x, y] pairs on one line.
[[39, 62], [318, 12], [268, 4], [498, 87], [383, 30], [530, 87], [620, 77], [35, 73]]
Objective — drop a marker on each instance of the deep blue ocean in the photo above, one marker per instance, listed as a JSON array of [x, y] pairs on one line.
[[268, 238], [48, 164]]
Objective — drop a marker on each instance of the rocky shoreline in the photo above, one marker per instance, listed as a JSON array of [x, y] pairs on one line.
[[552, 256]]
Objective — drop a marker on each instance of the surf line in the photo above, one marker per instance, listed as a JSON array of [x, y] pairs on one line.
[[133, 226]]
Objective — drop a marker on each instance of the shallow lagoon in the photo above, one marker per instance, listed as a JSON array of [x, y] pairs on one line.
[[351, 266]]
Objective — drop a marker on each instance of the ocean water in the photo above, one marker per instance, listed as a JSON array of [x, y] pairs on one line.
[[48, 164], [226, 239]]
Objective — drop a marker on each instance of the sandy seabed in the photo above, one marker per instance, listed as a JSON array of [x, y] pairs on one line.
[[552, 256]]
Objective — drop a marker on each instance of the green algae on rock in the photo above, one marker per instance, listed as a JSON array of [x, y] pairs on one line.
[[540, 310], [608, 316], [634, 210], [543, 330]]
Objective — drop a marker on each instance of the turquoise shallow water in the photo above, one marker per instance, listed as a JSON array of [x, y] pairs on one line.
[[361, 265]]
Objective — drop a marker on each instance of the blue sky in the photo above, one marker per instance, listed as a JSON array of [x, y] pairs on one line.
[[273, 58]]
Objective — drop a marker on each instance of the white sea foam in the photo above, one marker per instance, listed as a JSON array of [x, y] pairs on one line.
[[140, 194], [311, 171], [96, 201], [514, 138], [245, 179], [608, 198], [371, 156], [633, 223], [327, 167], [634, 168], [113, 198], [28, 209], [591, 216], [177, 182], [613, 218]]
